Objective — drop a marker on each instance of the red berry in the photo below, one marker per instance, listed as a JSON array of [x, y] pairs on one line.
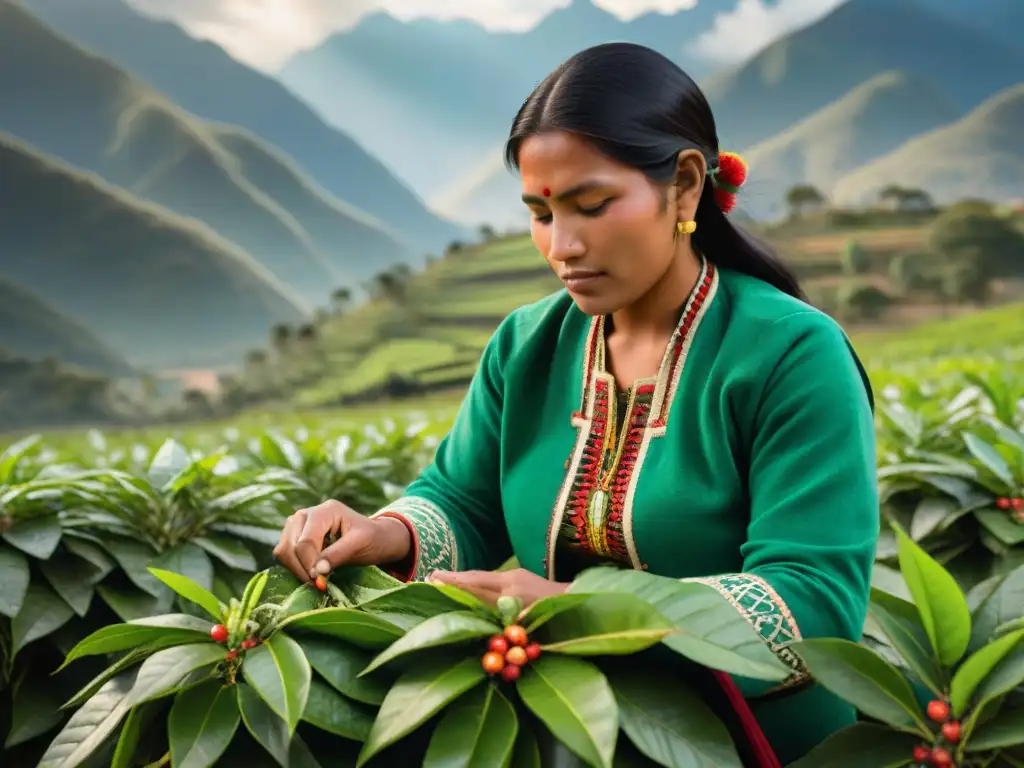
[[517, 655], [498, 644], [938, 710], [511, 673], [219, 633], [516, 635], [320, 582], [922, 754], [941, 758], [533, 651], [231, 655], [493, 663], [952, 731], [1017, 503], [250, 642], [1003, 503]]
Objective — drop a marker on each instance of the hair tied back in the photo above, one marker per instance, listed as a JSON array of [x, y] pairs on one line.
[[728, 177]]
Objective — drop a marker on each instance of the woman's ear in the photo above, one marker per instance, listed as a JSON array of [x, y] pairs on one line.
[[691, 169]]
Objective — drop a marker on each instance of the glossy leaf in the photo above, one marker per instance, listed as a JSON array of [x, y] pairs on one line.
[[446, 629], [1004, 730], [165, 670], [545, 609], [33, 712], [712, 632], [939, 600], [72, 579], [999, 600], [277, 670], [361, 629], [170, 629], [190, 590], [42, 613], [138, 721], [35, 536], [862, 744], [128, 660], [134, 558], [201, 724], [901, 623], [14, 575], [989, 458], [613, 624], [671, 724], [90, 725], [861, 677], [999, 524], [977, 667], [574, 700], [340, 664], [417, 696], [269, 730], [229, 551], [478, 731], [131, 604], [1007, 675], [329, 711]]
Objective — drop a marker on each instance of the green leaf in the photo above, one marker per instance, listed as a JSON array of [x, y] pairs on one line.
[[977, 667], [138, 722], [269, 730], [188, 589], [711, 632], [202, 722], [34, 711], [128, 660], [939, 600], [329, 711], [73, 580], [527, 752], [166, 669], [170, 459], [340, 664], [36, 536], [545, 609], [1003, 731], [671, 724], [253, 592], [91, 553], [277, 670], [170, 629], [134, 557], [862, 744], [901, 623], [415, 601], [90, 726], [231, 552], [1001, 526], [14, 575], [446, 629], [42, 612], [361, 629], [860, 676], [930, 514], [1007, 675], [576, 703], [613, 624], [989, 458], [417, 696], [131, 604], [478, 731]]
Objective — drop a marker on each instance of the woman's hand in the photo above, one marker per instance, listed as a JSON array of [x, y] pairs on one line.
[[490, 585], [362, 541]]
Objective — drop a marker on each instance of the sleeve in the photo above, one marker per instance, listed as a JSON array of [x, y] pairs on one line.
[[814, 520], [453, 509]]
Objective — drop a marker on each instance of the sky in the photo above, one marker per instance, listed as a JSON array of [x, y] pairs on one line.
[[265, 33]]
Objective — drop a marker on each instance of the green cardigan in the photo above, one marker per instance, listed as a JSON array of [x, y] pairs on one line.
[[748, 464]]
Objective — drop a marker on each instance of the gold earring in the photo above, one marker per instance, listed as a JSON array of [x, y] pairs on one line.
[[686, 227]]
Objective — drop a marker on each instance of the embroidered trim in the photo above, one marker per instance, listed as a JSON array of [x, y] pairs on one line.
[[648, 419], [435, 547], [767, 612]]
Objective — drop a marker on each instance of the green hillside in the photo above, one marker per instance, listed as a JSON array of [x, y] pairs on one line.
[[871, 120], [32, 329], [135, 138], [160, 289], [980, 156], [206, 81]]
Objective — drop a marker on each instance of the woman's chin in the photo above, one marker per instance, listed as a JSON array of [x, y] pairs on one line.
[[593, 305]]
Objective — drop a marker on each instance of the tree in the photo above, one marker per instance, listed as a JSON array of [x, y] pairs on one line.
[[804, 198], [280, 338], [975, 234], [341, 299], [862, 301], [911, 272], [487, 233], [390, 286], [855, 259], [964, 281]]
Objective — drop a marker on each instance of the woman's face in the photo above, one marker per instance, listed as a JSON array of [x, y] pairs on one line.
[[605, 229]]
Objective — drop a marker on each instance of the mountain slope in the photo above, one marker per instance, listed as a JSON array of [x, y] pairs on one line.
[[808, 69], [981, 156], [137, 139], [160, 289], [206, 81], [34, 330], [871, 120]]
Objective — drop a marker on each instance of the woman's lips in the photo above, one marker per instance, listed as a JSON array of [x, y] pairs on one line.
[[581, 280]]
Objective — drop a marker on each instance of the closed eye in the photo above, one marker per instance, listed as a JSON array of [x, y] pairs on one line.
[[597, 210]]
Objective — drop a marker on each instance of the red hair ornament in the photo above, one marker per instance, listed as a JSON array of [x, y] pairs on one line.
[[728, 178]]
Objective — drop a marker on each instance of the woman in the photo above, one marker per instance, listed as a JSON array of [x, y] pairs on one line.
[[678, 408]]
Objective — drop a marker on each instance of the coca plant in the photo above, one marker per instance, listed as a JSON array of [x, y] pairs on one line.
[[363, 670], [944, 686]]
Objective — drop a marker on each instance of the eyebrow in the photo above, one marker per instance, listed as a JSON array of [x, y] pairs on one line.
[[586, 186]]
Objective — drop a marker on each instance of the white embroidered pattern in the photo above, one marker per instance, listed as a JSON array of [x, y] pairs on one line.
[[438, 549]]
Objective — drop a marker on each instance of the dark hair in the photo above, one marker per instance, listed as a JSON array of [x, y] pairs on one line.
[[642, 110]]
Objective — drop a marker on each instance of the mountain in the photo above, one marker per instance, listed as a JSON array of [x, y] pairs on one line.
[[1002, 19], [137, 139], [32, 329], [162, 290], [805, 71], [454, 87], [871, 120], [487, 194], [205, 80], [979, 156]]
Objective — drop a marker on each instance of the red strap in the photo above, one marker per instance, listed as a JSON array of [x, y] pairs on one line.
[[763, 751], [405, 569]]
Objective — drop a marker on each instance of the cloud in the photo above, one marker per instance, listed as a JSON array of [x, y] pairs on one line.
[[741, 33]]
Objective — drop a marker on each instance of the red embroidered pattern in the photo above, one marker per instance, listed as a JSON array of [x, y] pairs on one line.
[[634, 437]]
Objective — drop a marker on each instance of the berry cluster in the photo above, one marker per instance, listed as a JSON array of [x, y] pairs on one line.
[[1015, 504], [507, 654], [219, 634], [938, 755]]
